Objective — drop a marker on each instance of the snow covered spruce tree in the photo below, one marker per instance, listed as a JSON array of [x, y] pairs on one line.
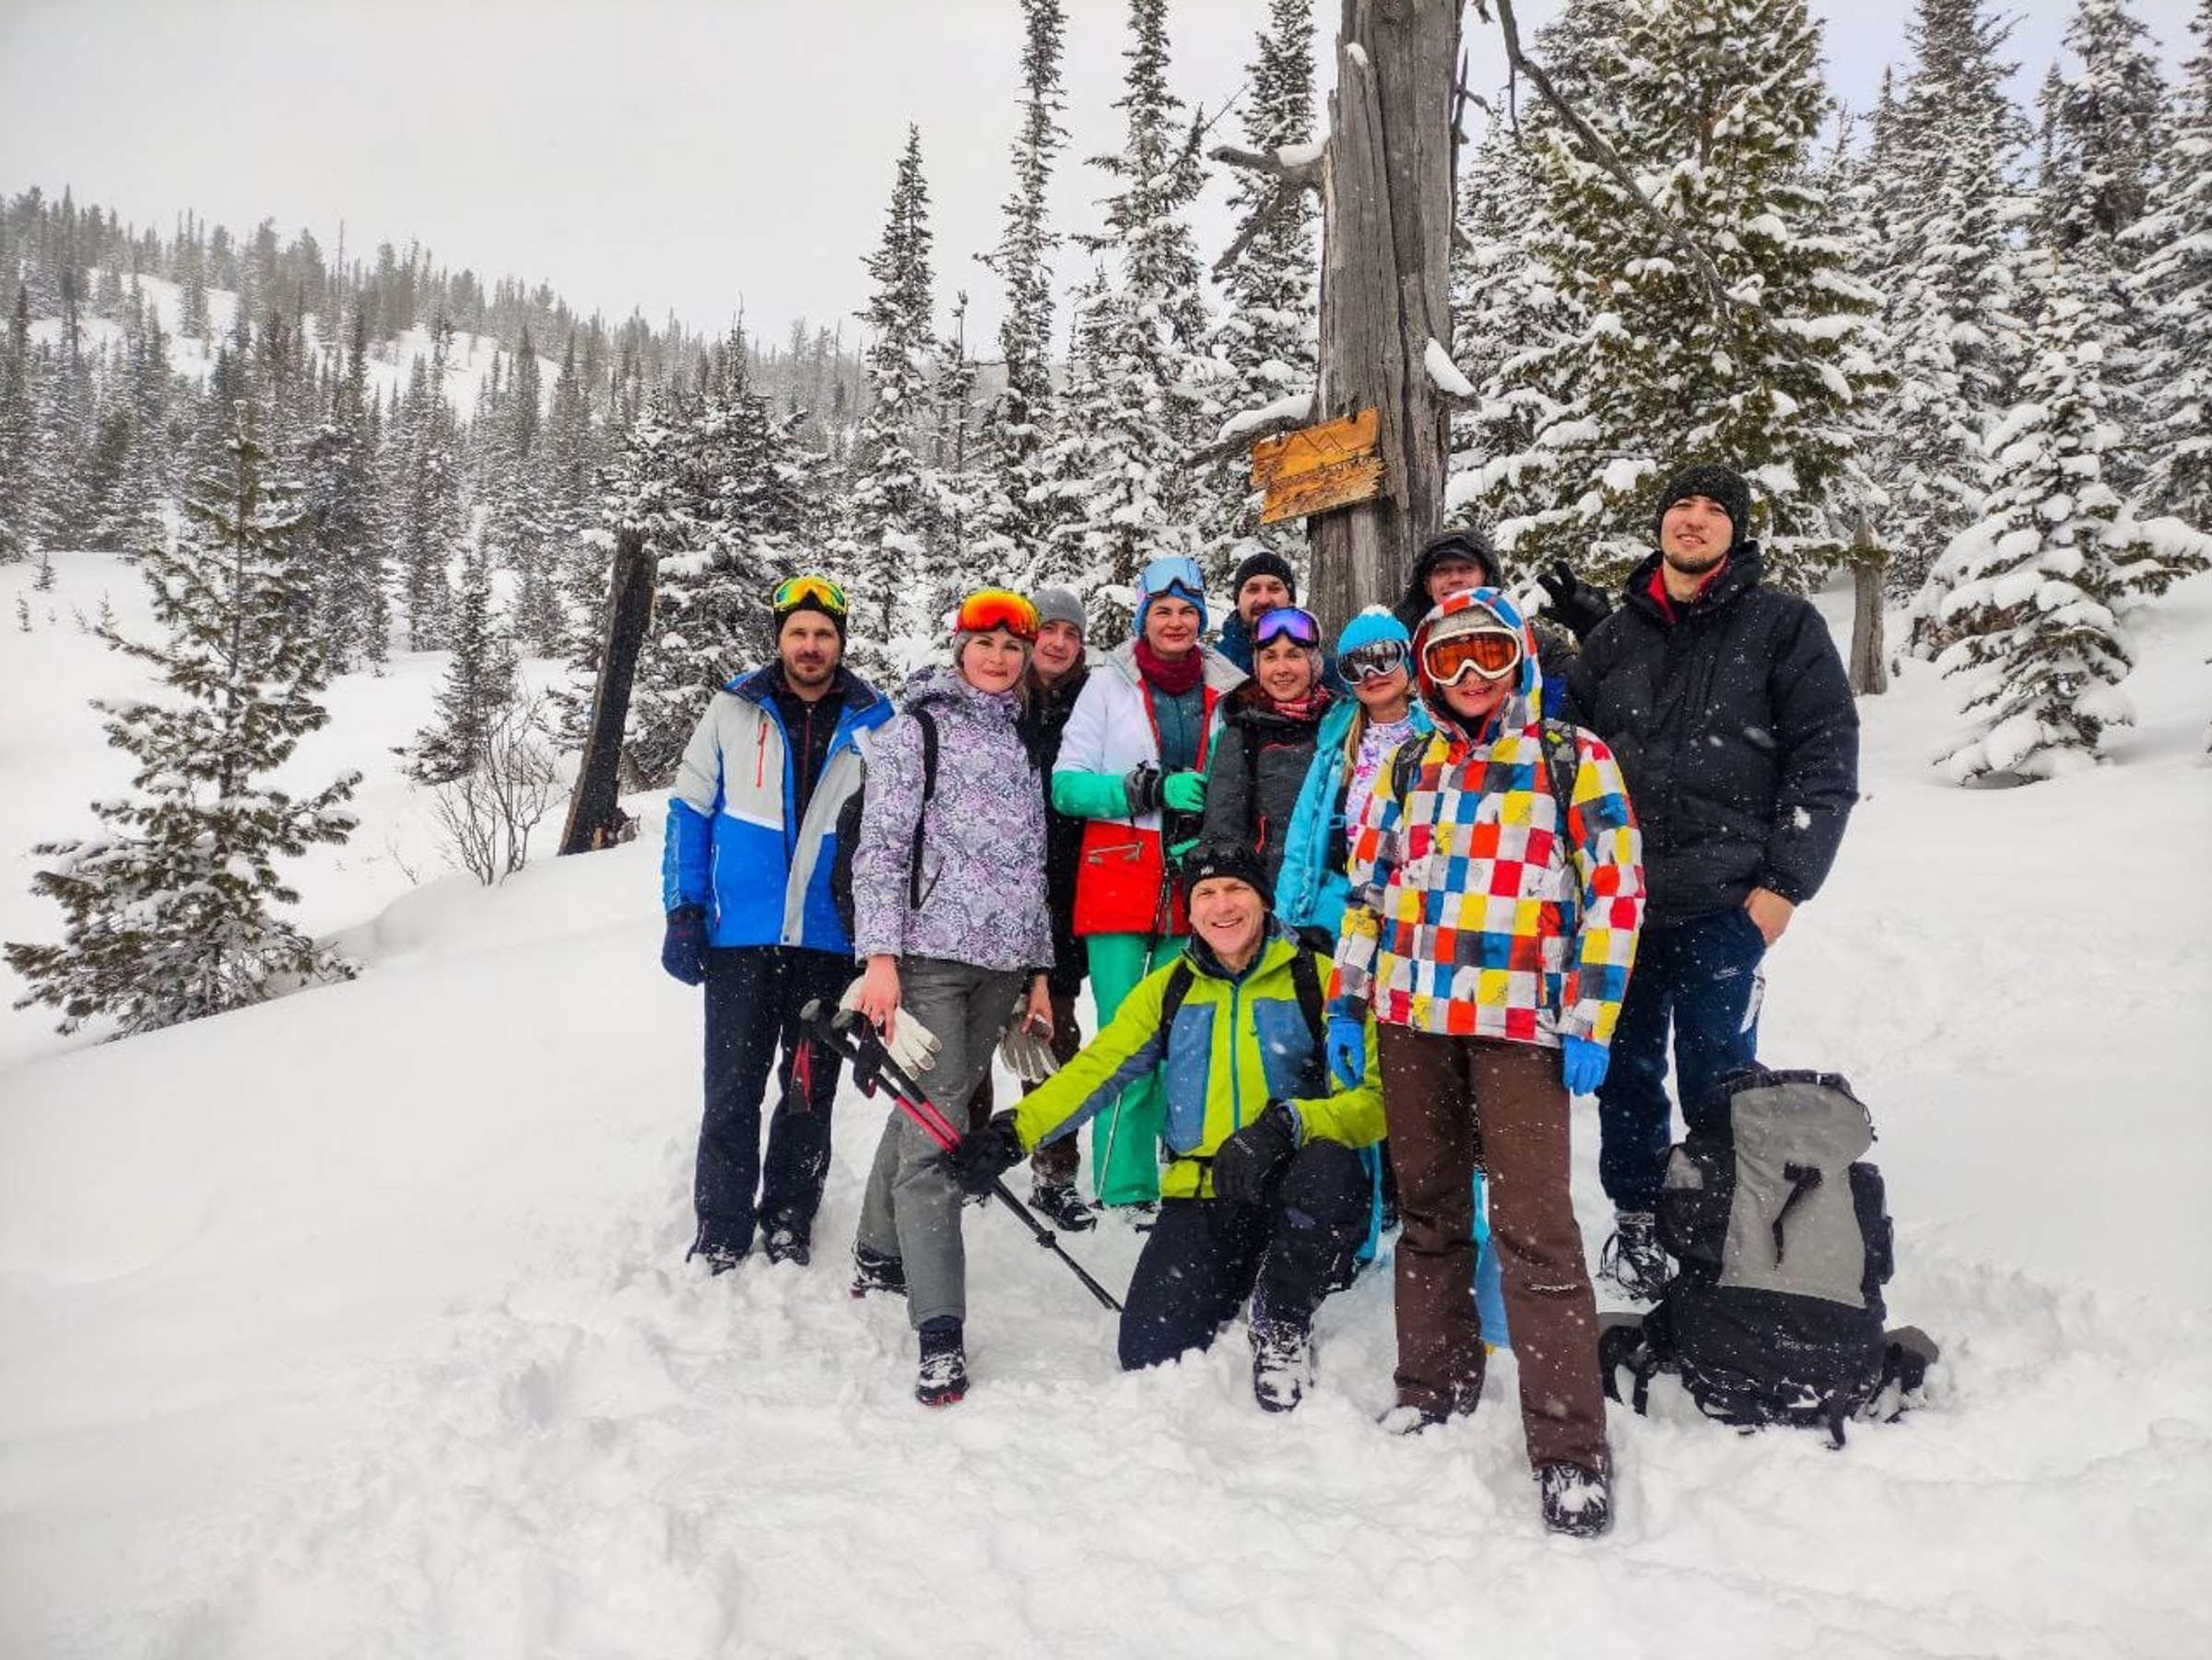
[[1942, 206], [1506, 307], [1267, 336], [168, 911], [354, 612], [1014, 510], [423, 485], [2028, 597], [882, 555], [1146, 335], [479, 684], [19, 435], [2100, 154], [1714, 105], [718, 494], [2172, 287]]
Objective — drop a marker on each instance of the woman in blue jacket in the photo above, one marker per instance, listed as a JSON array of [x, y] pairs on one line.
[[1356, 735]]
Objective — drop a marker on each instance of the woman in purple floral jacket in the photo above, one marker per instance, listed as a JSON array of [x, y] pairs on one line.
[[962, 945]]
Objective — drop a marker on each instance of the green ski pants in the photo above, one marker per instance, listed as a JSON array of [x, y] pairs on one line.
[[1125, 1138]]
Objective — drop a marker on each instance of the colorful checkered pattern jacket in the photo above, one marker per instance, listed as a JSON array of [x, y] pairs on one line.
[[1470, 915]]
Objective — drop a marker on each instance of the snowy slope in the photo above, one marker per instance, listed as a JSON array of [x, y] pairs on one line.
[[358, 1324]]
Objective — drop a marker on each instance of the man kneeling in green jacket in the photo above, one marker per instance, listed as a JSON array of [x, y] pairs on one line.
[[1262, 1193]]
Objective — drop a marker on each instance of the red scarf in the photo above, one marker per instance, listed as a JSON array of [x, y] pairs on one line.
[[1174, 678], [1306, 708]]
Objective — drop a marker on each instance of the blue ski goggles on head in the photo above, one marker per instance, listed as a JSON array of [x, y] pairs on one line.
[[1170, 573], [1176, 575]]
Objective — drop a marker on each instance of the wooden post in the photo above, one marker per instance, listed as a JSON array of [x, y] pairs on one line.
[[1870, 655], [596, 817], [1386, 239]]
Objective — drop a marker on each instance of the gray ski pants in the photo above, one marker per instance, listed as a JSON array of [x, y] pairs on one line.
[[911, 1208]]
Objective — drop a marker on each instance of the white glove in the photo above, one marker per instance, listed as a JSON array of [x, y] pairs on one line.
[[1028, 1056], [911, 1046]]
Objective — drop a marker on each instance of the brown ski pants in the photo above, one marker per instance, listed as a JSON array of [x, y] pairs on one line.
[[1452, 1102]]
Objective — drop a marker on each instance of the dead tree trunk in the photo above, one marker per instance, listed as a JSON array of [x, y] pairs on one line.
[[595, 816], [1870, 654], [1386, 239]]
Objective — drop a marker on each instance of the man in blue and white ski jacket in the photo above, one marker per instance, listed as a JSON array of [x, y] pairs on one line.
[[744, 879]]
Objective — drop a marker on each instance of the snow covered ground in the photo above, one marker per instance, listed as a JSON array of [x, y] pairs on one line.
[[357, 1324]]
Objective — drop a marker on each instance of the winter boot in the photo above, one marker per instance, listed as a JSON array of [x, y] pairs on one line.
[[1282, 1363], [944, 1363], [877, 1271], [1576, 1502], [719, 1255], [1632, 1258], [1061, 1205], [785, 1243]]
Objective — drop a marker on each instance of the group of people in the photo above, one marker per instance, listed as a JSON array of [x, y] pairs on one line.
[[1412, 895]]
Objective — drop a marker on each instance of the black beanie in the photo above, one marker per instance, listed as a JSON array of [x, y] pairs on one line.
[[1263, 564], [1230, 859], [1465, 543], [807, 602], [1715, 482]]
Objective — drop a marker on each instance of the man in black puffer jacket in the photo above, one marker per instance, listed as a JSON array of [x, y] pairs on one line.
[[1727, 706]]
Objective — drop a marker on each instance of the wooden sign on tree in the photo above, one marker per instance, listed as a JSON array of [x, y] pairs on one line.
[[1316, 468]]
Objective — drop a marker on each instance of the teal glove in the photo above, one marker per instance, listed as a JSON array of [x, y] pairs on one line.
[[1185, 792], [1583, 1065]]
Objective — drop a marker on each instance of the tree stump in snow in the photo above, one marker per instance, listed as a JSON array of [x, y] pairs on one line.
[[595, 816]]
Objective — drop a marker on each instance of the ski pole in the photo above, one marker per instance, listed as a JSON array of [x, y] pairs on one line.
[[872, 1066]]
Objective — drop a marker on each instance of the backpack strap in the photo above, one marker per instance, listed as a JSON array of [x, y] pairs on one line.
[[1802, 1179], [1305, 975], [929, 724], [1406, 765], [1179, 978], [1623, 1340]]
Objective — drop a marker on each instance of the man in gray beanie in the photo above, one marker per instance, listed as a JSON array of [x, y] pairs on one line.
[[1727, 705]]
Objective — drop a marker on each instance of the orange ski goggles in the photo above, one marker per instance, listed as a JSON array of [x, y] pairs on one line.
[[1491, 653], [988, 608]]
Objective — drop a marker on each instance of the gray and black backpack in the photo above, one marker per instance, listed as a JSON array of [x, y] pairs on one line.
[[1781, 1245]]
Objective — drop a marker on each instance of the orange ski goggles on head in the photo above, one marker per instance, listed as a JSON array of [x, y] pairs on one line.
[[1492, 652], [988, 608]]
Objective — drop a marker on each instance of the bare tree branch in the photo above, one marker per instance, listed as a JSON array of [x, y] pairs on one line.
[[1290, 178], [1607, 158]]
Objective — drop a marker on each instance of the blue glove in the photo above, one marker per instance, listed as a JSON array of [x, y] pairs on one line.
[[1582, 1064], [684, 947], [1347, 1049]]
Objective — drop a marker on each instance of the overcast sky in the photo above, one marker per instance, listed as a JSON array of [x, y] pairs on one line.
[[693, 154]]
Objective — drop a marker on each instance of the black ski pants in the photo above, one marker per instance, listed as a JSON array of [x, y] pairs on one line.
[[754, 997], [1204, 1256]]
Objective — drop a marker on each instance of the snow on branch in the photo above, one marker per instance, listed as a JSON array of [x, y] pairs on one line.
[[1444, 375], [1247, 427]]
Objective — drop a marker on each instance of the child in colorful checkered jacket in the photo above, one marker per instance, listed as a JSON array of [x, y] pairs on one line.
[[1492, 945]]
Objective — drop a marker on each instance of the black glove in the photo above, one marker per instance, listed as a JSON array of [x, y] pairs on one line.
[[1248, 1161], [684, 947], [1578, 606], [1141, 785], [978, 1159]]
